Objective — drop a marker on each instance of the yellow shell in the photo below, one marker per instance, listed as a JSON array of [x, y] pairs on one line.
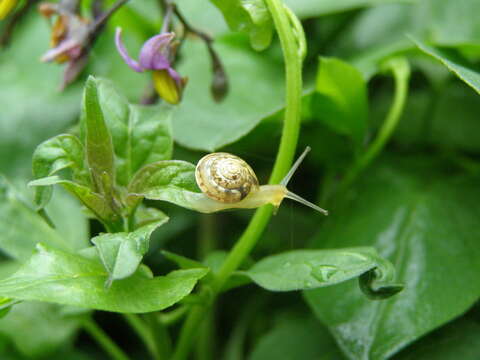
[[225, 177]]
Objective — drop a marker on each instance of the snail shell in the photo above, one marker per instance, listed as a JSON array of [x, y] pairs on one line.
[[225, 177]]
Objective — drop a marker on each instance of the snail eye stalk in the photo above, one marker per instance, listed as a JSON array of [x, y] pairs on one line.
[[294, 196]]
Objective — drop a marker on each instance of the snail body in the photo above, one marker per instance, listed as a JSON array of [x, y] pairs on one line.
[[227, 182]]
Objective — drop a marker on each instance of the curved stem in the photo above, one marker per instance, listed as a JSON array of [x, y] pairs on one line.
[[104, 340], [401, 74], [289, 39], [144, 333]]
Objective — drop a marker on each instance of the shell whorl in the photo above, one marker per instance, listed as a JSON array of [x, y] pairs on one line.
[[225, 177]]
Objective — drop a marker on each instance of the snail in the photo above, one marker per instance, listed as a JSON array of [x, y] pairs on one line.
[[227, 181]]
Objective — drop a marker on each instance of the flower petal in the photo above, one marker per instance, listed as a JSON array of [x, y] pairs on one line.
[[61, 49], [154, 53], [133, 64]]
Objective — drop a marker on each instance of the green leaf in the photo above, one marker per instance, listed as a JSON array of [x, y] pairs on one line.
[[200, 122], [419, 216], [296, 338], [98, 141], [121, 253], [140, 134], [62, 151], [251, 16], [92, 200], [23, 227], [469, 76], [33, 108], [340, 100], [39, 329], [56, 276], [169, 180], [310, 269], [182, 261], [308, 8], [457, 340]]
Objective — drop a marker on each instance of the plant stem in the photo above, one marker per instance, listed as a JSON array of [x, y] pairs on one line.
[[401, 74], [291, 128], [104, 340], [144, 332]]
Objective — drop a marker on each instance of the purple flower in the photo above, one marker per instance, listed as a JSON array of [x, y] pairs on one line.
[[155, 55]]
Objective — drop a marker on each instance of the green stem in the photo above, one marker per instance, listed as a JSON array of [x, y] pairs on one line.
[[145, 334], [104, 340], [290, 42], [401, 74]]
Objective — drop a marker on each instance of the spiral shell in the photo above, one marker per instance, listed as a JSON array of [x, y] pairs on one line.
[[225, 177]]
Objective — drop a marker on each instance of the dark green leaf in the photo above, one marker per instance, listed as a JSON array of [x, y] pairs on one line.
[[469, 76], [421, 217], [340, 100], [53, 155], [22, 227], [56, 276], [121, 253], [98, 141], [296, 338], [140, 134], [251, 16], [457, 340], [182, 261], [256, 91], [310, 269]]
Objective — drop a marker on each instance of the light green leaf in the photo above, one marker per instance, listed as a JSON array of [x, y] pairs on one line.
[[62, 151], [420, 216], [92, 200], [140, 134], [182, 261], [169, 180], [469, 76], [340, 99], [22, 227], [33, 109], [310, 269], [39, 329], [64, 278], [121, 253], [256, 91], [251, 16], [98, 141], [308, 8]]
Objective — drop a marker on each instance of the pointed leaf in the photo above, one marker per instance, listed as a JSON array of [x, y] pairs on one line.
[[62, 151], [310, 269], [469, 76], [98, 141], [71, 279], [121, 253], [92, 200]]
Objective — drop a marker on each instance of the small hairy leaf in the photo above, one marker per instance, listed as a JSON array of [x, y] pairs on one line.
[[62, 151], [121, 253], [60, 277]]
